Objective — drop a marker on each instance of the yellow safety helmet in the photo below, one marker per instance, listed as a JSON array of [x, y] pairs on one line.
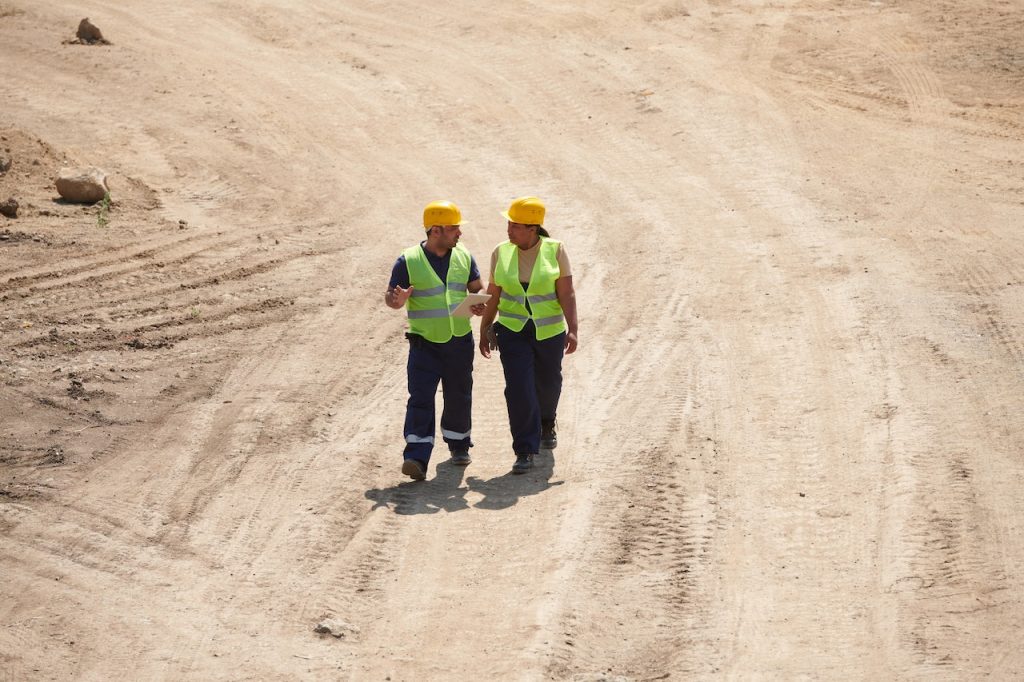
[[526, 210], [441, 213]]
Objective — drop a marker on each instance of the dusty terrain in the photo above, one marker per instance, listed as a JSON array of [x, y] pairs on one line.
[[792, 442]]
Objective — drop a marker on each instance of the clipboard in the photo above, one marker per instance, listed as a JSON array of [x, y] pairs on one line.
[[463, 309]]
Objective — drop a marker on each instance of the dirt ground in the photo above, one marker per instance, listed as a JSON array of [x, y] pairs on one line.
[[792, 440]]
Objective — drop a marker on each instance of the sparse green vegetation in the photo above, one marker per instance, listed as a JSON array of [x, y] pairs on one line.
[[103, 217]]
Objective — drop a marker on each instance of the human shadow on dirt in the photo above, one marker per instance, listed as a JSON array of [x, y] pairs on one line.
[[445, 492], [501, 492]]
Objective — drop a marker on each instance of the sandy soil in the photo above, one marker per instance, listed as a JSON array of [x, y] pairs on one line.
[[792, 442]]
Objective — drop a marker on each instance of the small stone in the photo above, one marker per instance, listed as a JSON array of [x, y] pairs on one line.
[[5, 163], [9, 208], [90, 34], [54, 455], [336, 628]]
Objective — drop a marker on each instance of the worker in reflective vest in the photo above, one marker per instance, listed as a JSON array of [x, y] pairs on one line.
[[533, 298], [429, 280]]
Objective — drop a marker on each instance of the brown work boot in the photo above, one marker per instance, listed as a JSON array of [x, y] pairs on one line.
[[414, 469]]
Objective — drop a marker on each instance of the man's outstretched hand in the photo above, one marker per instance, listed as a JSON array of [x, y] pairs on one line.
[[396, 298]]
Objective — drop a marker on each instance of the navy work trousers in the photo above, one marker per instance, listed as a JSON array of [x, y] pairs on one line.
[[533, 382], [451, 365]]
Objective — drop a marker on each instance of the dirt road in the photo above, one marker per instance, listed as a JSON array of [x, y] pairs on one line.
[[792, 442]]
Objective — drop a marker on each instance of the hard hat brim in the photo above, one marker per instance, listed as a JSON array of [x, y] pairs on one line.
[[510, 218]]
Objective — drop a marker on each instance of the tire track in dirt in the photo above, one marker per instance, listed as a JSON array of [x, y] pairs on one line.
[[355, 568], [66, 587], [948, 577], [918, 99], [924, 98], [82, 560], [290, 483], [656, 545], [209, 193], [803, 451], [210, 264], [946, 464], [243, 529], [254, 534], [926, 103], [841, 73], [164, 303], [800, 432], [835, 77], [943, 583], [88, 265], [632, 367], [263, 427], [88, 541], [355, 572], [990, 124], [643, 547], [628, 461], [146, 296], [983, 289], [109, 534]]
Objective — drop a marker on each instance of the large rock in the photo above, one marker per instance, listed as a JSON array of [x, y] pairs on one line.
[[82, 185]]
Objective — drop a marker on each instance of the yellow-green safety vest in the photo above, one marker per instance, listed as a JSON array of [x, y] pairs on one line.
[[431, 303], [545, 310]]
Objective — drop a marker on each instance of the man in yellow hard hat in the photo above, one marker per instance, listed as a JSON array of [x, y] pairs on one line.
[[429, 280]]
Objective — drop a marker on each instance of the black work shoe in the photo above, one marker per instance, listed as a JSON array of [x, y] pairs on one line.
[[523, 464], [414, 469], [461, 458], [548, 436]]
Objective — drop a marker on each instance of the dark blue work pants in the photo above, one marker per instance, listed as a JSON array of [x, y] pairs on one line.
[[533, 382], [451, 365]]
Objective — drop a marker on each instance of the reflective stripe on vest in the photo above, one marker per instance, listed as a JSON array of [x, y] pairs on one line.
[[545, 311], [429, 307]]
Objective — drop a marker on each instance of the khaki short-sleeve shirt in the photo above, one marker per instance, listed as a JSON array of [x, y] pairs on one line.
[[528, 257]]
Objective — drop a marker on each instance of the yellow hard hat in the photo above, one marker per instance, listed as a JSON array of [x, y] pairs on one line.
[[526, 210], [441, 213]]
